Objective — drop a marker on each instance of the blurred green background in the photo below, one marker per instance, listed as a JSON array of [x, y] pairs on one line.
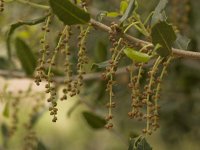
[[180, 98]]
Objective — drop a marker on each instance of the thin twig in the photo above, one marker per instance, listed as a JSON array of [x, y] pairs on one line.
[[176, 52]]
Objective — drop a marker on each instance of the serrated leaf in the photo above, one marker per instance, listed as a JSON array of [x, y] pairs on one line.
[[26, 56], [93, 120], [158, 14], [162, 33], [69, 13], [136, 55], [182, 42], [18, 24], [131, 7], [123, 6]]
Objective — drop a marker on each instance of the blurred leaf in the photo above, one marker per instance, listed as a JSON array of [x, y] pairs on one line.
[[182, 42], [36, 117], [69, 13], [136, 55], [14, 26], [26, 56], [94, 121], [6, 110], [112, 14], [73, 108], [131, 144], [4, 130], [158, 12], [123, 6], [131, 7], [4, 64], [41, 146], [141, 144], [100, 65], [162, 33], [101, 52]]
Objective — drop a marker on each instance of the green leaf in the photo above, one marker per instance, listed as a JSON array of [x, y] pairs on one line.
[[100, 65], [94, 121], [162, 33], [26, 56], [112, 14], [4, 130], [182, 42], [73, 108], [131, 7], [141, 144], [4, 63], [131, 144], [69, 13], [136, 55], [6, 110], [41, 146], [159, 14], [14, 26], [123, 6]]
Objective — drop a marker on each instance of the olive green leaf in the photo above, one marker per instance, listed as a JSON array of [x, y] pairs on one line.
[[69, 13], [93, 120], [26, 56], [163, 34], [136, 55], [141, 144]]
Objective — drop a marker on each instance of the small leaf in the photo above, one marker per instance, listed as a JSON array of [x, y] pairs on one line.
[[4, 130], [100, 65], [141, 144], [94, 121], [131, 7], [26, 56], [123, 6], [162, 33], [131, 144], [182, 42], [69, 13], [136, 56], [41, 146], [6, 110], [112, 14], [158, 14]]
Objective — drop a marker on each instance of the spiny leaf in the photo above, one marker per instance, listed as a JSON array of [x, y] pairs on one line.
[[136, 55], [131, 7], [16, 25], [94, 121], [162, 33], [26, 56], [158, 12], [69, 13]]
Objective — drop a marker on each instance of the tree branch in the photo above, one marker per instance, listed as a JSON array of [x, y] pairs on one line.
[[176, 52]]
